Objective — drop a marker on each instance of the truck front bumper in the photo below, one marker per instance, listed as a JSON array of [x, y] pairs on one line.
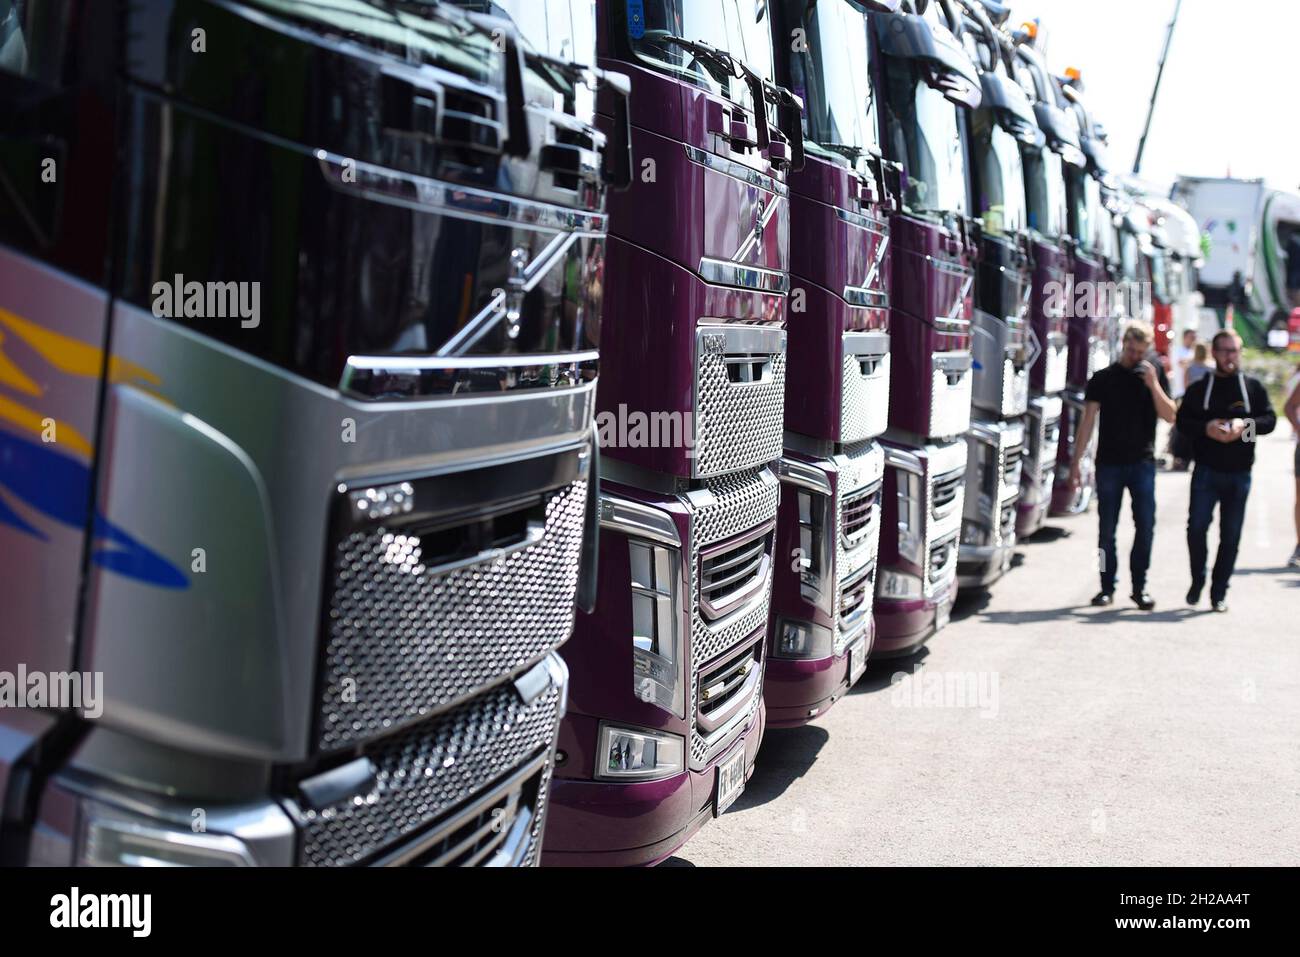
[[636, 824]]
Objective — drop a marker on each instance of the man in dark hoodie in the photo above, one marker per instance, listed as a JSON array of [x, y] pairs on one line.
[[1223, 414]]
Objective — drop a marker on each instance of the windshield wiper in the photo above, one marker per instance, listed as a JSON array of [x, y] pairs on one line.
[[844, 149], [723, 65]]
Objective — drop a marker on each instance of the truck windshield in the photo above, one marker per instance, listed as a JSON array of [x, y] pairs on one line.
[[1001, 198], [416, 33], [1081, 211], [921, 127], [557, 30], [831, 73], [1128, 255], [656, 30], [1044, 190], [1159, 285]]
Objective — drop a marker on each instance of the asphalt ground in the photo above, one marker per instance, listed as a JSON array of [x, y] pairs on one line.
[[1036, 729]]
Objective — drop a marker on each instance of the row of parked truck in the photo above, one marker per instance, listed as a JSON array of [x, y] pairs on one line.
[[615, 384]]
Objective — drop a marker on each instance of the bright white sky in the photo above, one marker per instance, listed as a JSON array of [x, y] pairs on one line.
[[1230, 97]]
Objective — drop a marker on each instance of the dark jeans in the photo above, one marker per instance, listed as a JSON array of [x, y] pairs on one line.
[[1229, 490], [1140, 480]]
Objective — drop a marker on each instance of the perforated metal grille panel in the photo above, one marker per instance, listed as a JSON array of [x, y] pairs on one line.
[[424, 772], [864, 400], [1056, 363], [949, 404], [726, 507], [403, 642], [738, 425], [943, 462], [1015, 389], [859, 468]]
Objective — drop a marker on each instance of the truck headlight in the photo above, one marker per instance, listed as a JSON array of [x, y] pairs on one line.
[[656, 638], [113, 838], [802, 639], [898, 585], [911, 510], [628, 754], [815, 544]]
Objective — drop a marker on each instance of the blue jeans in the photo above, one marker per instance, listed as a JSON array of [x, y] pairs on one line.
[[1140, 480], [1228, 490]]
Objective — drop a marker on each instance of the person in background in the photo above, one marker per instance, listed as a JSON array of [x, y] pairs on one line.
[[1182, 356], [1129, 395], [1224, 413], [1200, 366], [1292, 412]]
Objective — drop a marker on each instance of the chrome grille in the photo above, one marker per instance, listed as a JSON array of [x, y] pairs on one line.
[[403, 641], [945, 495], [1011, 466], [739, 408], [864, 396], [427, 800], [861, 471], [723, 509], [721, 684], [858, 510], [856, 601], [943, 555], [728, 576]]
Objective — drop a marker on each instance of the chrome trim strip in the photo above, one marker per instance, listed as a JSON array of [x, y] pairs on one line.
[[735, 170], [756, 233], [794, 472], [433, 363], [517, 286], [578, 368], [961, 299], [637, 521], [897, 458], [426, 194], [949, 266], [869, 223], [720, 272], [738, 338], [865, 343], [877, 259], [862, 296]]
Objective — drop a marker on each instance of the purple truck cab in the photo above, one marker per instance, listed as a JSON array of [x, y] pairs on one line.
[[837, 386], [665, 710], [1052, 247], [926, 78], [1093, 315], [1003, 348]]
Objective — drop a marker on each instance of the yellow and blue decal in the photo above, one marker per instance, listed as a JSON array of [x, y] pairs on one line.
[[45, 464]]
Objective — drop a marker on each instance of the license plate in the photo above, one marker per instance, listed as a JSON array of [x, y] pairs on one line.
[[731, 781], [941, 617], [857, 660]]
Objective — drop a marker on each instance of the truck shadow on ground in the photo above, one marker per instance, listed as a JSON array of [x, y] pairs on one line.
[[1093, 616], [1046, 535], [785, 757]]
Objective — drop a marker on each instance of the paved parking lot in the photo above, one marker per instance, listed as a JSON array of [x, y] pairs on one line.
[[1086, 736]]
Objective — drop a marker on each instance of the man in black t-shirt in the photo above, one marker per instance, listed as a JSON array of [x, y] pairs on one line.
[[1129, 395], [1223, 416]]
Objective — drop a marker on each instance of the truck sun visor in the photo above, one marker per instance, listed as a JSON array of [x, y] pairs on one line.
[[908, 36], [1012, 108]]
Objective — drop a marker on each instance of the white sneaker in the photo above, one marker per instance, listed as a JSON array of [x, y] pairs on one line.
[[1294, 561]]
